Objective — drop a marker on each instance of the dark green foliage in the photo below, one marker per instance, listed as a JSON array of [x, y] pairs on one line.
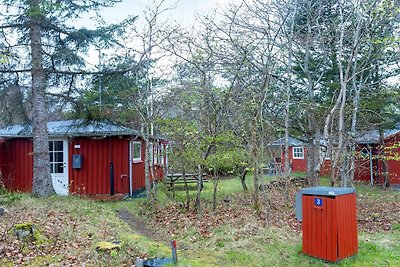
[[64, 46]]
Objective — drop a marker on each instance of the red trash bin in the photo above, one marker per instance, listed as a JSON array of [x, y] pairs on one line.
[[329, 222]]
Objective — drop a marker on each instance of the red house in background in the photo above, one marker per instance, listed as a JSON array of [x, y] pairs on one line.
[[297, 155], [369, 162], [96, 157]]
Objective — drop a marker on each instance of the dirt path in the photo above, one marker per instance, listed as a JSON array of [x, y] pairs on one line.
[[138, 225]]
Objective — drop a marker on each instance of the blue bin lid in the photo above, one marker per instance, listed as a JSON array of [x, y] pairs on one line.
[[327, 191], [319, 191]]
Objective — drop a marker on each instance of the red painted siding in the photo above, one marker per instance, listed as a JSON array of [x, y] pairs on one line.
[[362, 169], [394, 172], [392, 152], [326, 167], [97, 154], [17, 164], [394, 159], [330, 231], [347, 226], [2, 143], [138, 175], [300, 165], [320, 228]]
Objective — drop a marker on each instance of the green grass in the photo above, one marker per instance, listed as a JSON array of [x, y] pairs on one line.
[[225, 188], [273, 248]]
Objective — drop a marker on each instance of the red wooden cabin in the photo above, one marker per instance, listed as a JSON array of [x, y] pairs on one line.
[[369, 153], [297, 155], [369, 161], [85, 158]]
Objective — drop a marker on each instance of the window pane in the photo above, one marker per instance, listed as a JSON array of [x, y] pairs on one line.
[[58, 167], [51, 146], [298, 152], [51, 168], [58, 145], [59, 156], [51, 157], [137, 151], [151, 148]]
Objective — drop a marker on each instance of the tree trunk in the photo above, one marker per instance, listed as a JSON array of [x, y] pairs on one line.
[[312, 170], [310, 160], [256, 184], [186, 190], [383, 157], [288, 92], [255, 160], [153, 176], [326, 136], [215, 185], [42, 184], [197, 204], [352, 144], [243, 178], [147, 166], [342, 152]]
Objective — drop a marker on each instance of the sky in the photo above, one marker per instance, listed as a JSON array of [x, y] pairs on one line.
[[183, 11]]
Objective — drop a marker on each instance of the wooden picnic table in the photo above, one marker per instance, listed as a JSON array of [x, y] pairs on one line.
[[179, 178]]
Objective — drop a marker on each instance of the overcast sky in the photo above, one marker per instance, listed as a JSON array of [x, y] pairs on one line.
[[184, 11]]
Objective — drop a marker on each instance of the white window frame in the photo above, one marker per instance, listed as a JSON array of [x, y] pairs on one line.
[[151, 153], [159, 153], [137, 159], [328, 153], [296, 154], [156, 153]]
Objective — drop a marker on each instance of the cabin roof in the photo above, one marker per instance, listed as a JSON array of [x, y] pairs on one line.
[[292, 142], [71, 128], [372, 137]]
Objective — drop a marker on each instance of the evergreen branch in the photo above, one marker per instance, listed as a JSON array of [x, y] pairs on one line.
[[12, 26]]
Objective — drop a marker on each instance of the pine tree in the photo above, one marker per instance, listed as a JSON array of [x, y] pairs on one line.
[[41, 47]]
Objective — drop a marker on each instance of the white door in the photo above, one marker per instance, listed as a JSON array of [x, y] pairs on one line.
[[58, 150]]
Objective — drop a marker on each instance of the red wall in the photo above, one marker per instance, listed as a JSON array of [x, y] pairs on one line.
[[300, 165], [326, 167], [17, 164], [362, 167], [138, 177], [393, 154], [1, 151], [94, 176]]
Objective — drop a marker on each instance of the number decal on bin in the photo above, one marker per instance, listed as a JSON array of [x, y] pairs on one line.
[[318, 202]]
